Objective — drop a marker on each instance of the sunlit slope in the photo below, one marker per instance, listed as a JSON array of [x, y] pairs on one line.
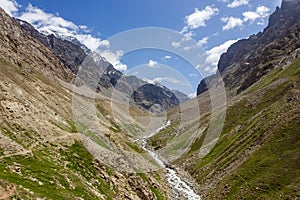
[[257, 155], [42, 151]]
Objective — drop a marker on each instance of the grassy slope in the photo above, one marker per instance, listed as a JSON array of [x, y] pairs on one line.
[[55, 169], [51, 179], [257, 155]]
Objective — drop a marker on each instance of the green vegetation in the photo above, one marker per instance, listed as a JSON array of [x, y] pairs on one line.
[[269, 127], [158, 195], [257, 155], [162, 138], [62, 179], [135, 147], [273, 171]]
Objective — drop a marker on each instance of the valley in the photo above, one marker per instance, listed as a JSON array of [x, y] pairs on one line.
[[73, 126]]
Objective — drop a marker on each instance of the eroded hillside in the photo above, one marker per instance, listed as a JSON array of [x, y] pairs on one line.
[[43, 150]]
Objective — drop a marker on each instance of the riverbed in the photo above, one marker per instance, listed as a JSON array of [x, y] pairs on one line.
[[179, 189]]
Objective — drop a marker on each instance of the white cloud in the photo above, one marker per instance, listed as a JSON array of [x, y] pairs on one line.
[[114, 58], [167, 58], [49, 23], [260, 13], [91, 42], [10, 7], [203, 41], [186, 38], [170, 80], [192, 95], [176, 44], [213, 55], [238, 3], [231, 23], [153, 64], [199, 17]]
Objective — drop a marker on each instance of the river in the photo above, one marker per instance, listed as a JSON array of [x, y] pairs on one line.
[[179, 188]]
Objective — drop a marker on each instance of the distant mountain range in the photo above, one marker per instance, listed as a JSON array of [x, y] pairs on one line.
[[72, 54]]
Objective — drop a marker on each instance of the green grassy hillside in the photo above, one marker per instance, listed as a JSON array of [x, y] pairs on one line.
[[257, 155], [41, 151]]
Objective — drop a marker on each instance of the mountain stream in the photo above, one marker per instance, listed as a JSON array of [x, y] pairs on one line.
[[179, 188]]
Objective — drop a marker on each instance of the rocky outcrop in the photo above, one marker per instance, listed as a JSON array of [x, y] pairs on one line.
[[248, 60], [155, 98], [19, 48], [68, 53]]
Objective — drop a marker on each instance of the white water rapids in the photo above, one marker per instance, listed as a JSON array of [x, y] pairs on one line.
[[180, 189]]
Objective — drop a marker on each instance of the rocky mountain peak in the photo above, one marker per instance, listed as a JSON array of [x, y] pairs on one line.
[[23, 50], [71, 54], [248, 60]]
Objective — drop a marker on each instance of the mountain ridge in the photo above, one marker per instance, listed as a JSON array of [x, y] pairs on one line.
[[73, 55], [248, 60]]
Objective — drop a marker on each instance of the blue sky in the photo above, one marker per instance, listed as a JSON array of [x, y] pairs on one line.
[[211, 25]]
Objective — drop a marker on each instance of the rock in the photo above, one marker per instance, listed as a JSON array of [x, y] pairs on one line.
[[248, 60]]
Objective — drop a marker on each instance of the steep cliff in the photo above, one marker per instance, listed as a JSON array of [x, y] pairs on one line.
[[248, 60]]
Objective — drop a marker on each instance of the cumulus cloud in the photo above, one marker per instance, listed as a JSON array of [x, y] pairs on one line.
[[176, 44], [231, 23], [249, 16], [11, 7], [238, 3], [167, 58], [199, 17], [186, 38], [114, 58], [153, 64], [260, 14], [203, 41], [213, 55], [49, 23]]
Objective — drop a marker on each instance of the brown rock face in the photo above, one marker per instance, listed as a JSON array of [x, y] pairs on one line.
[[248, 60], [69, 54], [17, 47]]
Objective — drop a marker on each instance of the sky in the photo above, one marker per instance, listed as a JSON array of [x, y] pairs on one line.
[[173, 42]]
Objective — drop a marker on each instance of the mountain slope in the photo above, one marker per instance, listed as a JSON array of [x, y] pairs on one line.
[[15, 44], [43, 149], [70, 55], [181, 96], [257, 154], [248, 60]]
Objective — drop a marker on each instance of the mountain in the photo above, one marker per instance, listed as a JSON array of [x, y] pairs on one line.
[[251, 151], [69, 54], [140, 92], [15, 43], [155, 98], [181, 96], [47, 151], [248, 60], [73, 55]]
